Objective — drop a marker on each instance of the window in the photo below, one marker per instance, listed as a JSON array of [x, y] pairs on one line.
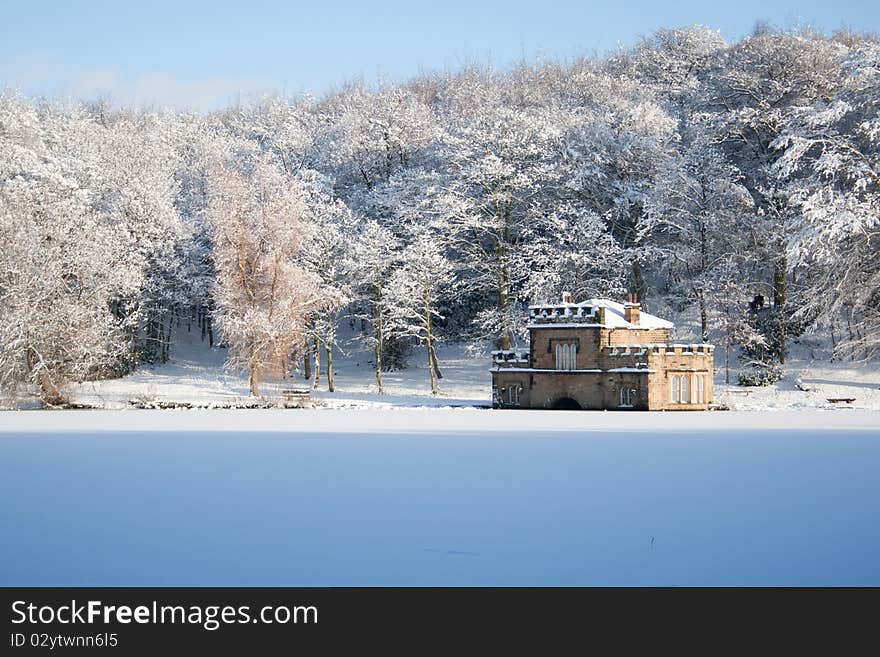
[[680, 389], [701, 389], [566, 356], [627, 395], [513, 393], [685, 389]]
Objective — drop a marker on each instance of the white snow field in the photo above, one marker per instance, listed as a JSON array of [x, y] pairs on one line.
[[424, 496]]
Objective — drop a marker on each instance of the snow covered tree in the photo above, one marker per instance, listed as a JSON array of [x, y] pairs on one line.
[[327, 255], [673, 62], [575, 253], [263, 294], [830, 165], [414, 292], [755, 97], [691, 219], [55, 259], [674, 168], [287, 129], [374, 134], [375, 255], [500, 157], [613, 158]]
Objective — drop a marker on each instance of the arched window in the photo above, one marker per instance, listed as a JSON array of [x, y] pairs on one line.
[[701, 390], [675, 389], [626, 397], [686, 389], [513, 394]]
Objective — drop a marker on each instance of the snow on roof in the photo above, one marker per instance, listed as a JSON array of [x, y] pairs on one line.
[[614, 314]]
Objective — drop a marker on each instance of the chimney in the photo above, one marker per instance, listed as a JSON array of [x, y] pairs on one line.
[[632, 309], [566, 297]]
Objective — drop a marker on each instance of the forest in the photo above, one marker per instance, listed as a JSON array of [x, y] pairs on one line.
[[739, 182]]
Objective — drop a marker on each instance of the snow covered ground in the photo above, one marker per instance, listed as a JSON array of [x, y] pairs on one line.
[[439, 497], [466, 383], [196, 374]]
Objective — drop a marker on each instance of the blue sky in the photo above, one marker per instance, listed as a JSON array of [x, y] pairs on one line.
[[205, 54]]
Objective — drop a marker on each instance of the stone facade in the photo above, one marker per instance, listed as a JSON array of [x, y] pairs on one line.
[[600, 354]]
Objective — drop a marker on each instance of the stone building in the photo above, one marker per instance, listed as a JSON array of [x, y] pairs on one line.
[[600, 354]]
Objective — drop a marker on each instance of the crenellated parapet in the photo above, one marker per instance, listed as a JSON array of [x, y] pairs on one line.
[[655, 357], [510, 358], [659, 348], [566, 313]]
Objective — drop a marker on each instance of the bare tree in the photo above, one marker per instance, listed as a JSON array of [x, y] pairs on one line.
[[262, 293]]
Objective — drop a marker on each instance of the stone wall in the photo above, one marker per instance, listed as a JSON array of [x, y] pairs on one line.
[[620, 336], [505, 378], [543, 347], [590, 390], [678, 361]]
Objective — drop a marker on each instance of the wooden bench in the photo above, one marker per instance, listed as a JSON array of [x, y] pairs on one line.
[[838, 400], [296, 396]]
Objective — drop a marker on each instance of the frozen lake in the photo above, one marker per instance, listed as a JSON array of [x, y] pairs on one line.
[[438, 497]]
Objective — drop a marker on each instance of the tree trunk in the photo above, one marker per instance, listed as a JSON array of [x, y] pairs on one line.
[[135, 356], [849, 330], [149, 338], [503, 254], [704, 267], [49, 393], [307, 364], [833, 342], [504, 302], [432, 343], [780, 291], [429, 342], [380, 337], [317, 353], [435, 361], [727, 348], [704, 319], [253, 381], [431, 372], [329, 347], [638, 284], [167, 345]]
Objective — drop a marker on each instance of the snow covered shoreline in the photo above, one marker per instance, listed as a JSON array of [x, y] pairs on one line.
[[428, 420], [196, 375]]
